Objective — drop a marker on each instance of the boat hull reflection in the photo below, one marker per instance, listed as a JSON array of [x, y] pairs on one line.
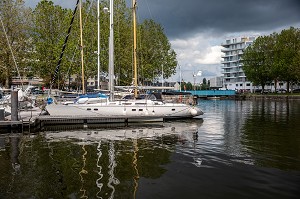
[[184, 129]]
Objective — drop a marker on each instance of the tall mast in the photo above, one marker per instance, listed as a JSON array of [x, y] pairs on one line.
[[134, 46], [111, 51], [98, 53], [81, 48]]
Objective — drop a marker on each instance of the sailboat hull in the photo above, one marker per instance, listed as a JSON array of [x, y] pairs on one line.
[[125, 109]]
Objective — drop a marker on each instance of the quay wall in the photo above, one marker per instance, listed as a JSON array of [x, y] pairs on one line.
[[267, 97]]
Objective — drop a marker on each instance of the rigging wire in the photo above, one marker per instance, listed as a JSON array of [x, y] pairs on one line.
[[151, 16], [63, 49], [10, 48]]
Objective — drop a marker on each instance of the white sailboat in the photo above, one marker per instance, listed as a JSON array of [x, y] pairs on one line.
[[140, 109]]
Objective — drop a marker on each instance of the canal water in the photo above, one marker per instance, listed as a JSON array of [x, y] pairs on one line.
[[239, 149]]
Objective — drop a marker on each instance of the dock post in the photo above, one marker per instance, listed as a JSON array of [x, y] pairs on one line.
[[2, 114], [15, 152], [14, 106]]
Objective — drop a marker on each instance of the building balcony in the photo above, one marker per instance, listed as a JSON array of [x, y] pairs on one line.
[[225, 56], [230, 67], [226, 50], [224, 62], [232, 43], [229, 77]]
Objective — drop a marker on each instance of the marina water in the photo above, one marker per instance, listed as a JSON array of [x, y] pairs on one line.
[[239, 149]]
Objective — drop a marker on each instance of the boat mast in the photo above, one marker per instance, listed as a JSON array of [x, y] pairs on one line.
[[134, 46], [81, 48], [98, 53], [111, 51], [179, 77]]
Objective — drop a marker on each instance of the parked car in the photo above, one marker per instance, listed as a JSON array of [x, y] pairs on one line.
[[257, 90], [297, 90], [37, 92], [281, 90]]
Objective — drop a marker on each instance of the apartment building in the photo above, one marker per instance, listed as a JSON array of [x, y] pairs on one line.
[[234, 76]]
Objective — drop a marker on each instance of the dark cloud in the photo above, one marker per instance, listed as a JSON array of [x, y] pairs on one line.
[[181, 18]]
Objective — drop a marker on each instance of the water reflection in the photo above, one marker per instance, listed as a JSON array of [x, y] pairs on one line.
[[85, 163], [98, 181], [258, 132], [241, 149], [271, 134]]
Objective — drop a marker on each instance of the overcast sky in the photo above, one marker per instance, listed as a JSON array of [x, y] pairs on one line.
[[196, 28]]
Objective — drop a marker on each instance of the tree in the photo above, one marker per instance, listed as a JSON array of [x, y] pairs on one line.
[[287, 55], [257, 62], [274, 57], [155, 52], [48, 34], [14, 33]]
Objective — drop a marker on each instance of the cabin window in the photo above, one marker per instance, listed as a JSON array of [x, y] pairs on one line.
[[88, 109], [173, 109], [95, 109], [140, 109], [133, 109]]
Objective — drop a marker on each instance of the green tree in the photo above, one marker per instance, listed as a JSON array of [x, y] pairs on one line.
[[257, 62], [48, 33], [48, 41], [123, 43], [155, 52], [15, 20], [287, 55]]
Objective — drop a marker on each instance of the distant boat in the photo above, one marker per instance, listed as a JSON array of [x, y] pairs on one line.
[[140, 109]]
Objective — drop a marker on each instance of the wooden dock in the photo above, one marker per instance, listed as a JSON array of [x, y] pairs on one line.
[[32, 120]]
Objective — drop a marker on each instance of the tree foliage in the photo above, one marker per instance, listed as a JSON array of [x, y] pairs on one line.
[[257, 60], [50, 24], [155, 53], [38, 37], [287, 55], [274, 57], [15, 19]]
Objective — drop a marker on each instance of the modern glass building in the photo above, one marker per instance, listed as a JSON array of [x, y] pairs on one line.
[[234, 76]]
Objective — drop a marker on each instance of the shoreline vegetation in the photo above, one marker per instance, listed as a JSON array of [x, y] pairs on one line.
[[271, 96]]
